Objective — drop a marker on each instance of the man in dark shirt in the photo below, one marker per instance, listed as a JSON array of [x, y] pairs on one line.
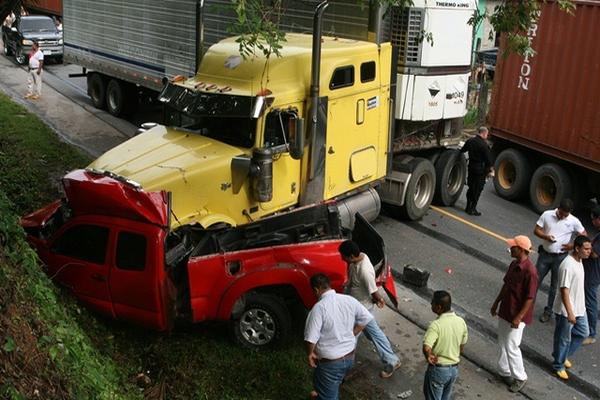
[[480, 166], [516, 300], [591, 266]]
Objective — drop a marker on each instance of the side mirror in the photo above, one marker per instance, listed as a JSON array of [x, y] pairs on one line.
[[297, 145]]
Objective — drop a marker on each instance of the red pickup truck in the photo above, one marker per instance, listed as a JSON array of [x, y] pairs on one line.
[[111, 243]]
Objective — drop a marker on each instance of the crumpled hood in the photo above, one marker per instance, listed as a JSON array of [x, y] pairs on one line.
[[173, 160]]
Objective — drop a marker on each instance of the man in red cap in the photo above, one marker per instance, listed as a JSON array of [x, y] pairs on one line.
[[516, 300]]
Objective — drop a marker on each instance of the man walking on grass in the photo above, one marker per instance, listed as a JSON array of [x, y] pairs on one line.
[[362, 286], [516, 299], [569, 307]]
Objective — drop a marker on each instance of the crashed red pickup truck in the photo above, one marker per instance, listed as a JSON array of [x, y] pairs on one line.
[[110, 243]]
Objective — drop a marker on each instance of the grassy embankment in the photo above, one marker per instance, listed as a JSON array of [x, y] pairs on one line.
[[52, 348]]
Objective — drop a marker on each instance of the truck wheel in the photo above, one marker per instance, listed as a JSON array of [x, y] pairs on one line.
[[118, 98], [20, 56], [419, 192], [97, 89], [550, 183], [513, 173], [7, 51], [264, 323], [450, 173]]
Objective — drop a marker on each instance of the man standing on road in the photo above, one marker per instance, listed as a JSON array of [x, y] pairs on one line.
[[555, 227], [442, 345], [480, 166], [516, 300], [362, 286], [330, 335], [591, 266], [569, 307], [34, 83]]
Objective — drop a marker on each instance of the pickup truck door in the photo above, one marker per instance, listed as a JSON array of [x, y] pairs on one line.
[[371, 243]]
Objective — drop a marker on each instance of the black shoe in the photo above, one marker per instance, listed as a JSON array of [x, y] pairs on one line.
[[475, 212]]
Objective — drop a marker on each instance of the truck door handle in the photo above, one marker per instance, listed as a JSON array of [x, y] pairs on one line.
[[97, 277]]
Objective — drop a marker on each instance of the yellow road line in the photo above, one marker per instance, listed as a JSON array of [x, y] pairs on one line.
[[469, 223]]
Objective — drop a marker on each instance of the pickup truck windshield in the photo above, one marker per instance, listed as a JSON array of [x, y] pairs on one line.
[[37, 25], [223, 117]]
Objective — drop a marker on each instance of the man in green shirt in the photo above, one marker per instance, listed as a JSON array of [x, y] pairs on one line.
[[442, 345]]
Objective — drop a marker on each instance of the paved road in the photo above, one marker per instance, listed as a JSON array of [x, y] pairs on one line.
[[462, 252]]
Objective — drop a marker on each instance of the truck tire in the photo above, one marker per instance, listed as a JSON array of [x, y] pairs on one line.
[[97, 89], [7, 50], [420, 190], [20, 56], [450, 175], [550, 183], [513, 174], [264, 323], [119, 98]]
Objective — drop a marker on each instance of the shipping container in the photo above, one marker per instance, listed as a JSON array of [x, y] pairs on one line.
[[544, 115], [50, 7]]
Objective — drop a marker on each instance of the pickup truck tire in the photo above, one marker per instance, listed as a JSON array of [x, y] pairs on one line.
[[7, 50], [450, 174], [96, 84], [420, 189], [20, 56], [513, 174], [550, 184], [265, 322]]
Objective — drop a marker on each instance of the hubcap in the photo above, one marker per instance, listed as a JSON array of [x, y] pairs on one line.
[[545, 191], [112, 100], [423, 191], [257, 326], [455, 179], [507, 175]]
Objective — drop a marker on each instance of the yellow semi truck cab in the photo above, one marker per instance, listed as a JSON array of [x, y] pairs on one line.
[[242, 148]]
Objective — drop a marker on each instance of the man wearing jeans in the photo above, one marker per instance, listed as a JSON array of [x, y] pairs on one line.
[[591, 267], [516, 300], [443, 343], [569, 307], [555, 227], [330, 335], [362, 286]]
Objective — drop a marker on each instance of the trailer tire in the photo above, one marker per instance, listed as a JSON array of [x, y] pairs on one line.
[[513, 174], [550, 184], [450, 174], [264, 323], [97, 89], [420, 189], [117, 98]]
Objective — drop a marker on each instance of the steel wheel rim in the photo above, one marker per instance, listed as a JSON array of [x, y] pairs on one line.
[[423, 190], [257, 326], [507, 175], [112, 100], [546, 191], [455, 179]]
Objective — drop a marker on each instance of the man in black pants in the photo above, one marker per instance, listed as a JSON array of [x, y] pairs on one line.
[[480, 166]]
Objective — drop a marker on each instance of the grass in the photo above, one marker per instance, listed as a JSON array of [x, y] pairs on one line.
[[49, 344]]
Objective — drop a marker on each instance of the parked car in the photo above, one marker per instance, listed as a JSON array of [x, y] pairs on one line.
[[488, 58], [19, 37]]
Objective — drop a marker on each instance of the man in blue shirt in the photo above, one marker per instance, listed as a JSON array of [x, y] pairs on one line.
[[591, 266]]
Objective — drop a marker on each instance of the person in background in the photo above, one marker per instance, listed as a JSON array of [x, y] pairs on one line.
[[516, 299], [36, 62], [443, 343], [569, 307], [480, 167], [330, 335], [555, 227], [591, 267], [362, 286]]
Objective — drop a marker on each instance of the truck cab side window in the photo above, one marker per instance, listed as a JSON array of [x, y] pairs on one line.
[[279, 128], [367, 71], [83, 242], [131, 251], [342, 77]]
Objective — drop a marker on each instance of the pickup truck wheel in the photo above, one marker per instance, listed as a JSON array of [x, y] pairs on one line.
[[97, 89], [450, 173], [20, 56], [7, 51], [264, 323], [420, 190], [550, 184], [513, 173]]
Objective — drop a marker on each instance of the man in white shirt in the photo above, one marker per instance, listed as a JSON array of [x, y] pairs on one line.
[[555, 227], [34, 83], [362, 286], [330, 336], [569, 307]]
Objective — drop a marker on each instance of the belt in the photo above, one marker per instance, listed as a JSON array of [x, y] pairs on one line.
[[445, 366], [327, 360], [554, 254]]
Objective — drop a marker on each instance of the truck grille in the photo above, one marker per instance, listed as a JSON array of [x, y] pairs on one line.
[[406, 27], [44, 43]]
